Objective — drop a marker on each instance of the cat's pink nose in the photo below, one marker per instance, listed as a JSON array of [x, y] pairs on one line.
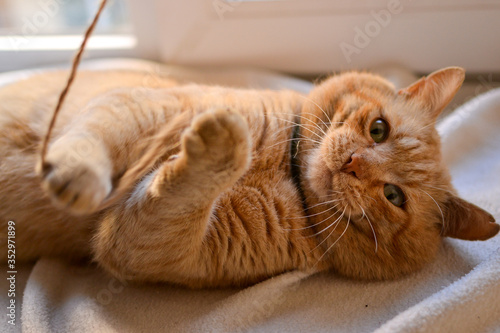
[[354, 166]]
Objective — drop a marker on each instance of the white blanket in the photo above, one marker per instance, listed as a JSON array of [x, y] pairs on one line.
[[459, 292]]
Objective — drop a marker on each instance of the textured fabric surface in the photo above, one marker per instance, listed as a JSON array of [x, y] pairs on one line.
[[459, 292]]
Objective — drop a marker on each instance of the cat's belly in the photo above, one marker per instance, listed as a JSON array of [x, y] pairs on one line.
[[258, 230]]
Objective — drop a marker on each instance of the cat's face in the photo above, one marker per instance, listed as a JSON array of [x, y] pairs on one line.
[[374, 153]]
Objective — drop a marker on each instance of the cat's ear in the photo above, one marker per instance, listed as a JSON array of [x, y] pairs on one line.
[[467, 221], [436, 90]]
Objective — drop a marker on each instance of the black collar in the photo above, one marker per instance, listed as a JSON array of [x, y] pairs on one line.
[[295, 163]]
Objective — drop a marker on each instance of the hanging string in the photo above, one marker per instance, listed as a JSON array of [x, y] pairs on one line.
[[76, 62], [143, 166]]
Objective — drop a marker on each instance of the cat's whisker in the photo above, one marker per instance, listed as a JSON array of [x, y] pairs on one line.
[[304, 127], [319, 107], [307, 216], [331, 246], [374, 234], [300, 166], [322, 122], [322, 196], [323, 202], [352, 190], [292, 139], [333, 230], [369, 197], [305, 138], [328, 227], [302, 117], [315, 224], [337, 192], [364, 214], [286, 128], [315, 124], [422, 128], [289, 140], [437, 188], [308, 150], [371, 226], [440, 210], [290, 121], [409, 126], [324, 113]]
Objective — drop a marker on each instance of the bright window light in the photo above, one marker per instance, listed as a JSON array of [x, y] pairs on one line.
[[59, 25], [66, 42]]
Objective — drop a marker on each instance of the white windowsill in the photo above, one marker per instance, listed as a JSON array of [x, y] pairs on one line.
[[15, 43]]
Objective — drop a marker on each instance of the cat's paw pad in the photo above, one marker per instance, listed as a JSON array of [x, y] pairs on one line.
[[76, 187], [219, 138]]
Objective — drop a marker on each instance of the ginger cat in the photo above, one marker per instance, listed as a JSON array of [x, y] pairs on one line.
[[249, 184]]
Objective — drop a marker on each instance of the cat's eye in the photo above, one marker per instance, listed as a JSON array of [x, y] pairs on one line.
[[379, 130], [394, 194]]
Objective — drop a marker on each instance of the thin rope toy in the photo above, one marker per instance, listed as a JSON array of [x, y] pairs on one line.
[[76, 62], [139, 169]]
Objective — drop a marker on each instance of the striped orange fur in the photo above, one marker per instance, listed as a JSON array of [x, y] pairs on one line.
[[219, 205]]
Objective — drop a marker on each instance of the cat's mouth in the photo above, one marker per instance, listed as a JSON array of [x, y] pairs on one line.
[[347, 188], [330, 182]]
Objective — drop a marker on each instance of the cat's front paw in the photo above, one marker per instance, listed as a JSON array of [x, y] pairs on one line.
[[219, 141], [72, 184]]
